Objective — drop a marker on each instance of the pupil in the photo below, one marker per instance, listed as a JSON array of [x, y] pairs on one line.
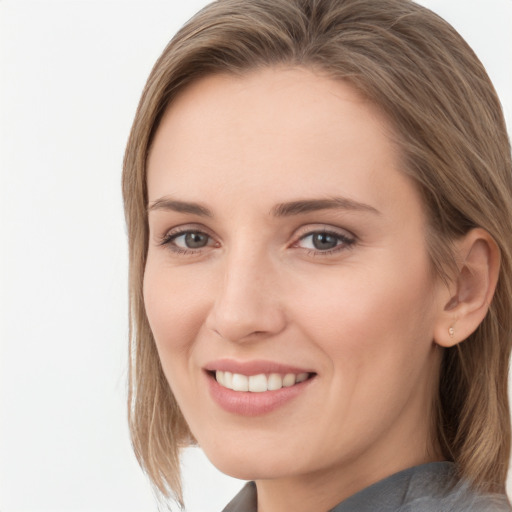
[[195, 240], [324, 241]]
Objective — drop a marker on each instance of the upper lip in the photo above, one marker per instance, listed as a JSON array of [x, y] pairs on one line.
[[254, 367]]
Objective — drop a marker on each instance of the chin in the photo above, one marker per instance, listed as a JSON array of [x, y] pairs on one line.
[[262, 465]]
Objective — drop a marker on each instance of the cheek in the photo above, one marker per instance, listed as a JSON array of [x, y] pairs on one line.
[[375, 329], [377, 314], [175, 306]]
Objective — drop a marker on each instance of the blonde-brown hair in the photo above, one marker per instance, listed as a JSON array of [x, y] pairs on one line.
[[450, 129]]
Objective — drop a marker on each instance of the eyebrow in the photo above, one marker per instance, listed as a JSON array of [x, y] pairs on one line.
[[166, 203], [313, 205], [287, 209]]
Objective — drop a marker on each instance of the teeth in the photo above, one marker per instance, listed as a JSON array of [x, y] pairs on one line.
[[289, 380], [258, 383], [228, 379], [240, 382], [275, 381]]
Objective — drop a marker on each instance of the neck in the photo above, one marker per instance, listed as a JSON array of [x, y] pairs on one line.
[[323, 490]]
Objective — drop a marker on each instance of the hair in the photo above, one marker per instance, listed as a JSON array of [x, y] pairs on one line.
[[450, 129]]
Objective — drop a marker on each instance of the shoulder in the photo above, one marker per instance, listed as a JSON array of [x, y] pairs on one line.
[[433, 487], [447, 493], [458, 504]]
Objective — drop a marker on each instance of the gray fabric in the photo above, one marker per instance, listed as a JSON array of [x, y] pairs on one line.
[[431, 487], [244, 501]]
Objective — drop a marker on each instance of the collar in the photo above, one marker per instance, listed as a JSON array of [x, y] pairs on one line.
[[429, 487]]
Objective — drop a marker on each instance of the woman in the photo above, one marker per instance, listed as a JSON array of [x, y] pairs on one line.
[[318, 198]]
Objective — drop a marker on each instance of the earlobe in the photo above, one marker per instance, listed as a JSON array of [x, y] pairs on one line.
[[472, 288]]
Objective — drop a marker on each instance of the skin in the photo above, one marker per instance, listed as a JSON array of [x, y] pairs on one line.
[[363, 316]]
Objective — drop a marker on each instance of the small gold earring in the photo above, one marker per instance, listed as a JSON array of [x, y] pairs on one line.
[[451, 332]]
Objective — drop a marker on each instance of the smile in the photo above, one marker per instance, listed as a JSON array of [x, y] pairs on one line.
[[257, 387], [258, 383]]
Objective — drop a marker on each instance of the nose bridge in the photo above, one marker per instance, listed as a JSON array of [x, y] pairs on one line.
[[247, 301]]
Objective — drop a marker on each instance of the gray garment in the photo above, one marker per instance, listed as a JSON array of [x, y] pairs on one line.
[[432, 487]]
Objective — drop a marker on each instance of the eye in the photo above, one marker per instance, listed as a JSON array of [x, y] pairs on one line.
[[324, 241], [191, 240], [187, 241]]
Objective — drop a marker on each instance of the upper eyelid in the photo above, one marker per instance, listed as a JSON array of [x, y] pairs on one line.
[[323, 228], [188, 228]]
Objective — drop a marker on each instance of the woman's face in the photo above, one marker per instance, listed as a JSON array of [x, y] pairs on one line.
[[287, 253]]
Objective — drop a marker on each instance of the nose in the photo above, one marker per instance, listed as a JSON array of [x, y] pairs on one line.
[[247, 304]]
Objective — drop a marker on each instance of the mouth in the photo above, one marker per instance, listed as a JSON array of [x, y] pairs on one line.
[[258, 383], [256, 387]]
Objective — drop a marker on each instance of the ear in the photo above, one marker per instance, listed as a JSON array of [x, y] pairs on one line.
[[471, 289]]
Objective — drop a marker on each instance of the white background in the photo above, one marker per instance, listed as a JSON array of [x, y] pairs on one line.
[[71, 76]]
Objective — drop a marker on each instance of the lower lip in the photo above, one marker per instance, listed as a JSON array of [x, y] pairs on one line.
[[246, 403]]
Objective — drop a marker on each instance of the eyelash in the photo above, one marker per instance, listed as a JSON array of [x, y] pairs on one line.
[[345, 242], [169, 238]]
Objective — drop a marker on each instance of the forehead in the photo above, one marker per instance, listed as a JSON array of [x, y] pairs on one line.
[[272, 132]]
